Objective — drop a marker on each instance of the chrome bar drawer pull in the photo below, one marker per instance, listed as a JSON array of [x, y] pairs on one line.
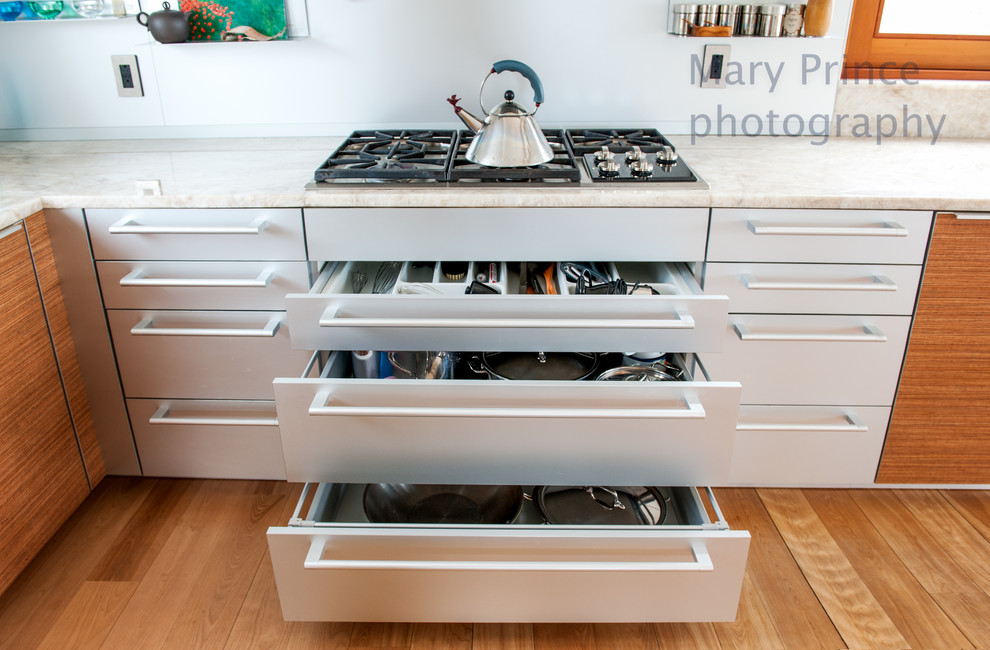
[[137, 278], [855, 425], [888, 229], [126, 227], [871, 334], [877, 283], [682, 320], [146, 327], [161, 416]]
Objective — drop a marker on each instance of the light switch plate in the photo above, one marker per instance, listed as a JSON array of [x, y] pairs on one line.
[[127, 75], [715, 66]]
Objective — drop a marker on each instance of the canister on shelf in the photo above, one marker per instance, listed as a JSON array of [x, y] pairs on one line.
[[728, 15], [707, 15], [771, 19], [746, 24], [685, 15], [793, 20]]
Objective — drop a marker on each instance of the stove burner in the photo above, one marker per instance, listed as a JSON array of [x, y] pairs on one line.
[[390, 156], [562, 168], [590, 140]]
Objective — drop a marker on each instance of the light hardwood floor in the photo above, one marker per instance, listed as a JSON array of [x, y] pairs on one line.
[[150, 563]]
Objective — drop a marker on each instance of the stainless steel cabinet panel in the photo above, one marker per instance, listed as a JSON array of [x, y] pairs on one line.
[[202, 354], [848, 236], [507, 432], [197, 234], [681, 319], [200, 285], [353, 571], [525, 233], [815, 288], [802, 359], [207, 438], [808, 445]]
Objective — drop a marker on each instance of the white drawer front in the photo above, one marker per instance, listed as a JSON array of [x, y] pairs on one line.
[[200, 285], [209, 355], [203, 234], [207, 439], [509, 573], [800, 359], [681, 319], [815, 288], [808, 446], [512, 432], [852, 236], [529, 233]]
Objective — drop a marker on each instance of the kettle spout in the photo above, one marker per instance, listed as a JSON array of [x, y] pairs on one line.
[[470, 121]]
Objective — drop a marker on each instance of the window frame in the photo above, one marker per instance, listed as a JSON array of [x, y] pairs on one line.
[[872, 56]]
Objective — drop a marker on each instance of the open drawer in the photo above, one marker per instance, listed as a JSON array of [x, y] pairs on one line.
[[352, 307], [341, 429], [332, 564]]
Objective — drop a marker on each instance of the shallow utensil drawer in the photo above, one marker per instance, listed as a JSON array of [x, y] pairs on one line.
[[806, 446], [207, 438], [202, 354], [851, 236], [339, 314], [200, 285], [804, 359], [197, 234], [677, 234], [339, 567], [506, 432], [815, 288]]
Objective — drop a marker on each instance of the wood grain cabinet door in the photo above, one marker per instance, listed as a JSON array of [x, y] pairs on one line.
[[940, 426], [42, 478]]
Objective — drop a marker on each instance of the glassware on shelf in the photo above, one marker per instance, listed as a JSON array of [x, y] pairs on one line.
[[87, 8], [11, 10], [47, 8]]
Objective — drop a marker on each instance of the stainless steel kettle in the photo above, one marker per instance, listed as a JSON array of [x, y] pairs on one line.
[[509, 136]]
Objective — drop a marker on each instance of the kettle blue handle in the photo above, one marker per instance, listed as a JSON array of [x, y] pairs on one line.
[[517, 66]]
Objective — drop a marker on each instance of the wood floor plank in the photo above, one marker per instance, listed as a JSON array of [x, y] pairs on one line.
[[259, 624], [687, 636], [36, 599], [319, 636], [953, 532], [917, 616], [87, 620], [753, 628], [631, 636], [138, 543], [503, 636], [563, 636], [855, 612], [442, 636], [381, 635], [790, 603], [974, 505], [948, 582]]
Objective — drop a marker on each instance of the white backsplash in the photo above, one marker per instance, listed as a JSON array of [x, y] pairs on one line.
[[389, 63]]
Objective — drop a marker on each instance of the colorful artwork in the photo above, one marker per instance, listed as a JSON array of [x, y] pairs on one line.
[[235, 19]]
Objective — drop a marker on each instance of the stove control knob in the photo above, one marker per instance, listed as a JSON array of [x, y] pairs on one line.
[[641, 167], [604, 154], [608, 168], [634, 155], [666, 155]]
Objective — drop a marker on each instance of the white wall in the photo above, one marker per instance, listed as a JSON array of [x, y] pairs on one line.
[[381, 63]]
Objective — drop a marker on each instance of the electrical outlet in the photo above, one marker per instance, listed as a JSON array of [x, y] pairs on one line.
[[127, 75], [715, 66]]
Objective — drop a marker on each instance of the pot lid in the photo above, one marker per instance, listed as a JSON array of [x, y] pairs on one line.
[[564, 366], [601, 505]]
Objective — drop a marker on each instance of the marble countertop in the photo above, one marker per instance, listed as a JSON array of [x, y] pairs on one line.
[[772, 172]]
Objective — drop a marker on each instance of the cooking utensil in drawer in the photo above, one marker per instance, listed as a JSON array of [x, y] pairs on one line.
[[601, 505], [385, 277], [407, 503], [560, 366], [422, 365]]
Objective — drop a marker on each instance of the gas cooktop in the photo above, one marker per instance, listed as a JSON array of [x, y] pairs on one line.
[[581, 156]]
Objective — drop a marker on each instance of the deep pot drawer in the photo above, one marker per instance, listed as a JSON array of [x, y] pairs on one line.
[[847, 236], [815, 288], [805, 359], [505, 432], [676, 234], [207, 438], [202, 354], [197, 234], [808, 445], [679, 318], [200, 285], [331, 564]]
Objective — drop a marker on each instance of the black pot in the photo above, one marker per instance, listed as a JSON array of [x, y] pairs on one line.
[[167, 25], [600, 505], [561, 366], [411, 503]]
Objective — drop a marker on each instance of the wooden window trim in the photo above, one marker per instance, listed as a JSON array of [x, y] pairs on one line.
[[917, 56]]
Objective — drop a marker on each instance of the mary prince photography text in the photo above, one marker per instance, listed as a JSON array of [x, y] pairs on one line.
[[819, 125]]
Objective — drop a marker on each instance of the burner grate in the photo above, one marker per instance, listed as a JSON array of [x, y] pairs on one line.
[[618, 140], [391, 156], [563, 168]]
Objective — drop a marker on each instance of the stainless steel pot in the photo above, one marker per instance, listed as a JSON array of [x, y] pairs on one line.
[[561, 366], [422, 365], [408, 503]]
